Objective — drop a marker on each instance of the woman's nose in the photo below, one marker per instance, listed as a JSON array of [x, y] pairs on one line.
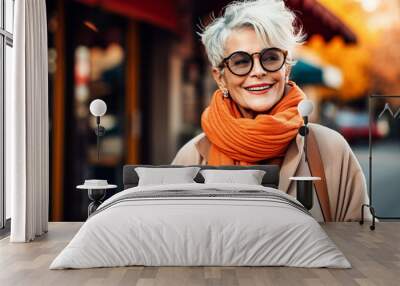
[[257, 69]]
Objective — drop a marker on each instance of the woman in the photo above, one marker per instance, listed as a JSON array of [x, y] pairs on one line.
[[253, 119]]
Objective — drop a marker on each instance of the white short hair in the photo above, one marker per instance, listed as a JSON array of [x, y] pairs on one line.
[[272, 21]]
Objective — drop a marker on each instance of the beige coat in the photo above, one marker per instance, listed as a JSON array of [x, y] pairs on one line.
[[345, 180]]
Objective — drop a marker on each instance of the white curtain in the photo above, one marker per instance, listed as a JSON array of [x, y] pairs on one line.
[[27, 147]]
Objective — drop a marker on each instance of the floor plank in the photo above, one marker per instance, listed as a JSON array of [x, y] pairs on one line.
[[374, 255]]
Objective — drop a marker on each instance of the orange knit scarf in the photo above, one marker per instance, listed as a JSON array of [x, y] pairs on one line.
[[242, 141]]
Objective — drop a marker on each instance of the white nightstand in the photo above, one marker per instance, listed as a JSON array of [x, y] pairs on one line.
[[96, 194]]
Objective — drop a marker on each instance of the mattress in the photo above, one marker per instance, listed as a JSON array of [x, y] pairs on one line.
[[201, 225]]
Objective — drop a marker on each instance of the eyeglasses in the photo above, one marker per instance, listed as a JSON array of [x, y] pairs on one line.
[[241, 63]]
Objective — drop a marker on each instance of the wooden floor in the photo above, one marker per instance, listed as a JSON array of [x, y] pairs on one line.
[[375, 256]]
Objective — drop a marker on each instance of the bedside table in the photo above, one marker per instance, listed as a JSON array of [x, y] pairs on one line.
[[96, 195], [304, 191]]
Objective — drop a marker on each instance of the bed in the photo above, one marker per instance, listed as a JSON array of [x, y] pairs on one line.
[[201, 224]]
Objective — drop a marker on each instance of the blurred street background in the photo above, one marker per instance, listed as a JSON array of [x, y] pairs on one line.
[[145, 60]]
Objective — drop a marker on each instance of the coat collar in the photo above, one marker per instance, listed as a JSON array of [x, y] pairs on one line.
[[289, 165], [203, 146]]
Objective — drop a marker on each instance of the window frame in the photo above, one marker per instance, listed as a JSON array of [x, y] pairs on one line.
[[6, 39]]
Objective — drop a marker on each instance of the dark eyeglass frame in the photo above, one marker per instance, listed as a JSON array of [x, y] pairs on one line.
[[225, 60]]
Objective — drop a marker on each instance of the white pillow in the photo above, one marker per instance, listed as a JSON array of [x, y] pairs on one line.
[[248, 177], [162, 176]]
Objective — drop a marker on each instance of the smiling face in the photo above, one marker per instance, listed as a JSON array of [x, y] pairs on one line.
[[259, 90]]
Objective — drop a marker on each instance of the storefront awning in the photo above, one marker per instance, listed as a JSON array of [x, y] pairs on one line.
[[314, 17], [161, 13], [306, 73], [317, 19]]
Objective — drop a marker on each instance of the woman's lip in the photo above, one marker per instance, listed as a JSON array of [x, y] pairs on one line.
[[259, 92], [259, 85]]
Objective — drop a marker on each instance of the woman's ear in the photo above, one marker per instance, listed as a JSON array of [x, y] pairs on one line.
[[218, 77]]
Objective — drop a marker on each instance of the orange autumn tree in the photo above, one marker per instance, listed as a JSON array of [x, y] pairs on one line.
[[385, 58], [352, 59]]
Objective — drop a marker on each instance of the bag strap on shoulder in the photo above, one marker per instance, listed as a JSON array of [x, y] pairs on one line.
[[317, 170]]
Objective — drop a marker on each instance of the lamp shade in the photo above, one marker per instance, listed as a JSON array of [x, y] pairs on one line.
[[98, 107], [305, 107]]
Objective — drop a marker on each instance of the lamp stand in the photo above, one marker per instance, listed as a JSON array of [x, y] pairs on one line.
[[100, 130], [303, 131]]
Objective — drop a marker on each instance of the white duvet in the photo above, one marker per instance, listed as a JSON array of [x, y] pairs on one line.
[[183, 231]]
